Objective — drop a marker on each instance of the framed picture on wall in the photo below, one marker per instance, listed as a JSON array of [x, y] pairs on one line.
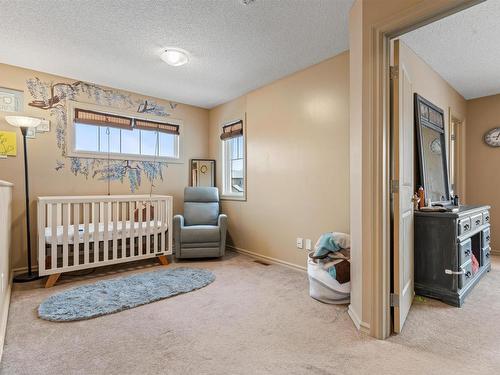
[[203, 172], [8, 144], [11, 100]]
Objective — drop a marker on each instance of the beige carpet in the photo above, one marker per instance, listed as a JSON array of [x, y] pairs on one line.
[[253, 319]]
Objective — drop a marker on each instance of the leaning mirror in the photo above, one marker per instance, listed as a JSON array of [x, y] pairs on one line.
[[202, 172], [429, 122]]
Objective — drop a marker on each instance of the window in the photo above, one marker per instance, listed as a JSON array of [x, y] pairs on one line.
[[97, 134], [233, 161]]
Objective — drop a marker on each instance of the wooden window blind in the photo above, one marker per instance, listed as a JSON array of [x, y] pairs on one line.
[[232, 130], [83, 116], [157, 126]]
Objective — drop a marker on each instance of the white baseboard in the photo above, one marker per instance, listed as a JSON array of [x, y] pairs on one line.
[[17, 271], [360, 325], [4, 314], [267, 259]]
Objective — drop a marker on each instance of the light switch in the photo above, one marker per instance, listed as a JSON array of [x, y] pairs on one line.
[[300, 243], [308, 245]]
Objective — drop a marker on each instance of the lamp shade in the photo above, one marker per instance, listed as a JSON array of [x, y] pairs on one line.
[[23, 121]]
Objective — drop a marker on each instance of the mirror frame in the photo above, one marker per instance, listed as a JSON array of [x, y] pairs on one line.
[[191, 170], [438, 126]]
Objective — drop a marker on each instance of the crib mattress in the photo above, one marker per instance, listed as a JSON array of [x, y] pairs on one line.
[[129, 231]]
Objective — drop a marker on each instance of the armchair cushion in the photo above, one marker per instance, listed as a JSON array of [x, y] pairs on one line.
[[197, 213], [200, 233], [201, 206], [201, 194]]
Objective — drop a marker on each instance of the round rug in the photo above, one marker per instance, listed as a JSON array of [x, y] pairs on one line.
[[122, 293]]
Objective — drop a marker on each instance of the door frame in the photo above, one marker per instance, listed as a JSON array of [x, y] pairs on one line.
[[458, 125], [378, 95]]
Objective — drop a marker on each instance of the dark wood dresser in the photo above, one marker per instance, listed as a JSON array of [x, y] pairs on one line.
[[445, 243]]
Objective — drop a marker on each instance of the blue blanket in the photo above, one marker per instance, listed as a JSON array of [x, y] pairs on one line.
[[326, 244]]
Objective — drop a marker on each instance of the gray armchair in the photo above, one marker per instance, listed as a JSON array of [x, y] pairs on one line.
[[201, 232]]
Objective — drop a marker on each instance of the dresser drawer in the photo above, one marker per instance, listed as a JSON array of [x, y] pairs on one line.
[[485, 238], [465, 277], [464, 225], [464, 251], [476, 221], [486, 217], [485, 256]]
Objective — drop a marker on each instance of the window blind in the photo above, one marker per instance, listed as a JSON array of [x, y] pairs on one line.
[[232, 130], [157, 126], [83, 116]]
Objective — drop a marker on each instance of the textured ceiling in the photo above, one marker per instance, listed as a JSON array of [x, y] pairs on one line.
[[234, 47], [464, 49]]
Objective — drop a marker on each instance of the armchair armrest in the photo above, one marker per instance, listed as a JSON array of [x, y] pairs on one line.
[[178, 224], [222, 223], [178, 221]]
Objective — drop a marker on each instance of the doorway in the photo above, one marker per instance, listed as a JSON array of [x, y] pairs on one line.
[[416, 71]]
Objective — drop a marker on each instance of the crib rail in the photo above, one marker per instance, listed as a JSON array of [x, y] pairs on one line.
[[78, 232]]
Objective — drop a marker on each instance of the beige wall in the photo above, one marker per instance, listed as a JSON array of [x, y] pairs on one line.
[[483, 162], [43, 153], [297, 140]]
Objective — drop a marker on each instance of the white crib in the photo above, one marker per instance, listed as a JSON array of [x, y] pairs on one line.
[[76, 233]]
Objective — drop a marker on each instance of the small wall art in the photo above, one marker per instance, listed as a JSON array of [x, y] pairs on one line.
[[11, 100], [8, 143], [44, 127]]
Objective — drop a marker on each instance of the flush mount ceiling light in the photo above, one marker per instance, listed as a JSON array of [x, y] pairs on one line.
[[175, 56]]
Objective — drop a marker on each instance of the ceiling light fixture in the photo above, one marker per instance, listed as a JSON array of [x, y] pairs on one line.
[[175, 56]]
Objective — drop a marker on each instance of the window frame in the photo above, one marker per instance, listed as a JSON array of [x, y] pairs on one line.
[[226, 167], [71, 150]]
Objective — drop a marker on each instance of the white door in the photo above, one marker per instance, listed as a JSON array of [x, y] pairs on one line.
[[403, 186]]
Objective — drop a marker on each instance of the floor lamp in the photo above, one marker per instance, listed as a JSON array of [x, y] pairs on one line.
[[25, 123]]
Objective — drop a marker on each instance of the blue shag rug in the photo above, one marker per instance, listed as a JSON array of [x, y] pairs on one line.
[[111, 296]]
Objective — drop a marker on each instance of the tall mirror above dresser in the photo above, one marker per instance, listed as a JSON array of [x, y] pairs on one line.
[[452, 241]]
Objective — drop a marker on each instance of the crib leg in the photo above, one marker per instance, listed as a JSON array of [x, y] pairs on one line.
[[52, 280], [163, 260]]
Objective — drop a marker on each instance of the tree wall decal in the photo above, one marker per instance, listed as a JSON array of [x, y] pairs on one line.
[[53, 97]]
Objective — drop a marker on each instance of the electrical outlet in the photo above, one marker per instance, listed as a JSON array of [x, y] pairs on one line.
[[300, 243], [308, 245]]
